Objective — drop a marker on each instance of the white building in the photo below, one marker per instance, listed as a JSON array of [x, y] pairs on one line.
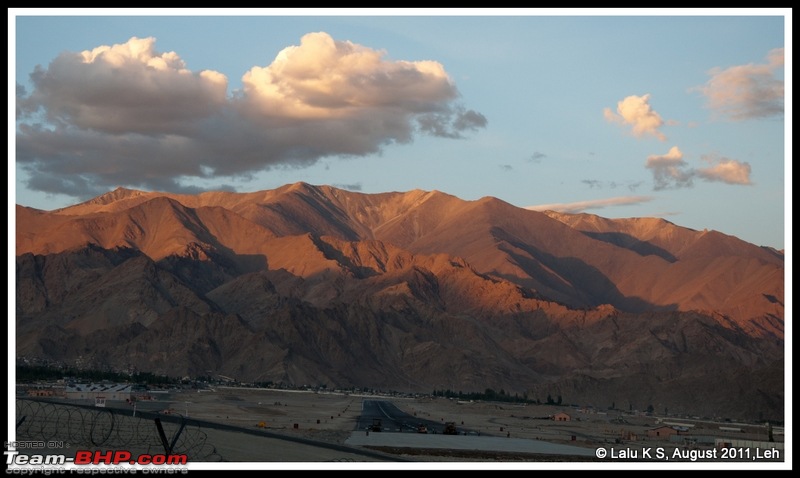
[[93, 391]]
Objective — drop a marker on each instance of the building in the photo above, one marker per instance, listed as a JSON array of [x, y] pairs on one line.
[[44, 391], [94, 391], [561, 417], [662, 432]]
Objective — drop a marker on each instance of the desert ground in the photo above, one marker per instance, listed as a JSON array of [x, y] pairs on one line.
[[232, 428], [332, 418]]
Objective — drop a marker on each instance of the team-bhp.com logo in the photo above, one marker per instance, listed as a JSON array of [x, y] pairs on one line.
[[116, 457], [88, 457]]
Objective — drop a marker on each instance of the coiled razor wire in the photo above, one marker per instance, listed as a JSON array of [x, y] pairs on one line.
[[108, 428], [68, 425]]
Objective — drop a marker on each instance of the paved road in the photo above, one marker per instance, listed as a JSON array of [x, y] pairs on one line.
[[395, 420], [460, 442]]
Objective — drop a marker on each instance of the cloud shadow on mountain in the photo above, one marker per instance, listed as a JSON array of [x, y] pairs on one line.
[[568, 280], [626, 241]]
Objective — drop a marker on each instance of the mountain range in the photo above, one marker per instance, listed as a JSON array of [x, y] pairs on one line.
[[415, 291]]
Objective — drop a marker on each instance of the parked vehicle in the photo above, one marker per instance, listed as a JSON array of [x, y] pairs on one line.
[[376, 425]]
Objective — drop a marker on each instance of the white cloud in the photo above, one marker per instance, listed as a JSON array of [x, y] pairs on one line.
[[350, 187], [129, 115], [537, 157], [325, 78], [127, 88], [669, 169], [725, 170], [747, 91], [636, 112], [580, 206]]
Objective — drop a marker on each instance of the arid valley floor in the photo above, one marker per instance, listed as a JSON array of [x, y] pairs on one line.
[[265, 427]]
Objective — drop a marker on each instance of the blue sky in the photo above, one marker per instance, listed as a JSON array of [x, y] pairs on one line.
[[637, 114]]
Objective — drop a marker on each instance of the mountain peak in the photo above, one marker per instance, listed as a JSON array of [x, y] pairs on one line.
[[116, 195], [106, 202], [300, 186]]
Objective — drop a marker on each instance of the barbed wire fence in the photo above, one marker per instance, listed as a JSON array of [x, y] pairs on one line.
[[90, 427]]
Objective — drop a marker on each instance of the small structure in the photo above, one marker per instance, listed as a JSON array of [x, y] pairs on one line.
[[141, 395], [450, 428], [662, 432], [43, 392], [91, 391], [561, 417]]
